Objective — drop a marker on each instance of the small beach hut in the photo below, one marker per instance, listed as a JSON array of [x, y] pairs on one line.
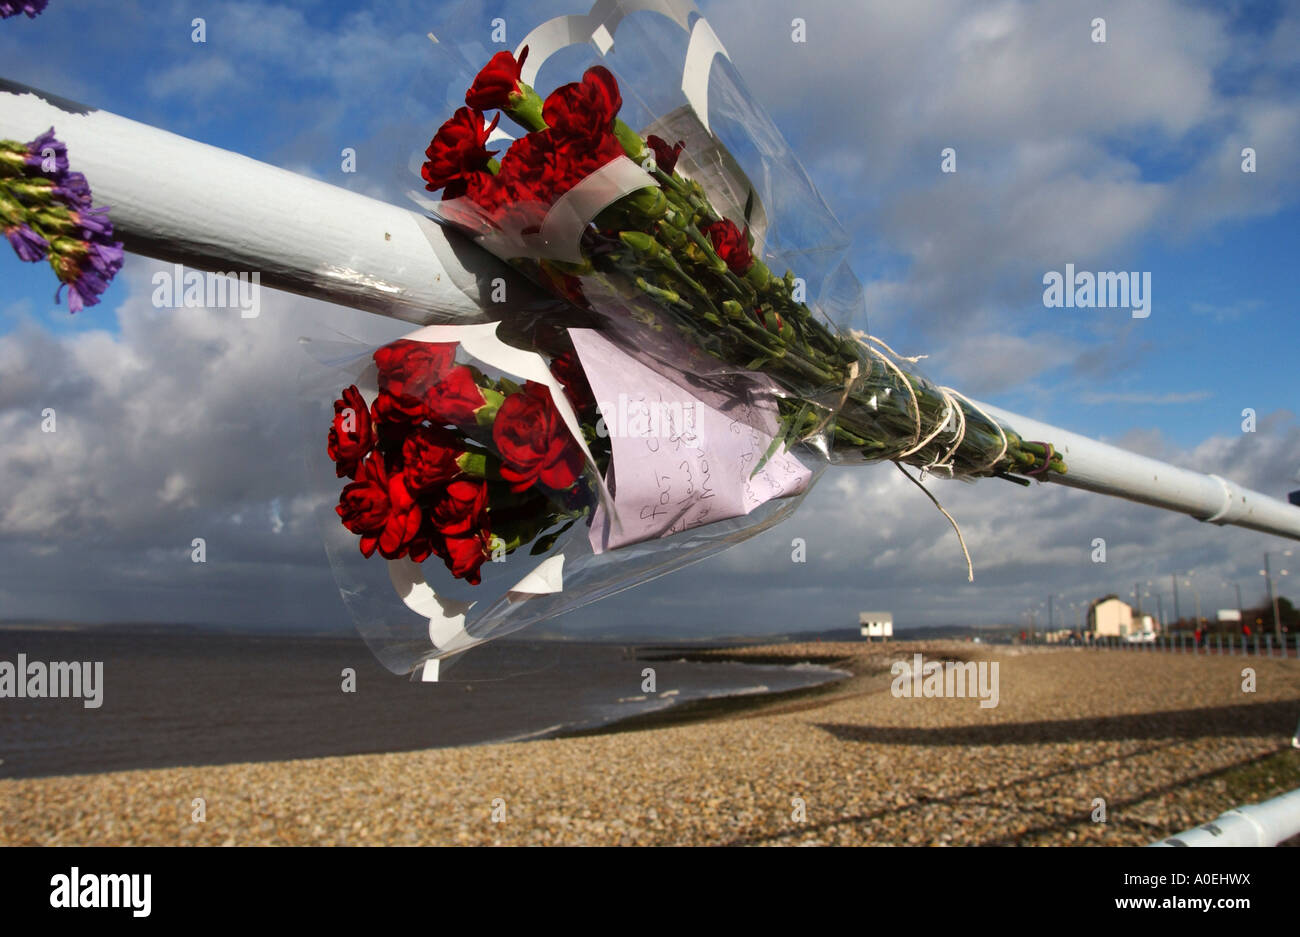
[[876, 624]]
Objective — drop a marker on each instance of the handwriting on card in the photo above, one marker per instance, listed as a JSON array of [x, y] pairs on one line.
[[677, 462]]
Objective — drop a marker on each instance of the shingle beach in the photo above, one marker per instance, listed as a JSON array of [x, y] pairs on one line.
[[1166, 741]]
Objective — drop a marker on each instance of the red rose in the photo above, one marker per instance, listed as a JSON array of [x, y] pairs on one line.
[[464, 555], [534, 443], [584, 109], [731, 244], [497, 82], [665, 155], [352, 435], [455, 398], [461, 507], [429, 457], [379, 508], [406, 370], [457, 154]]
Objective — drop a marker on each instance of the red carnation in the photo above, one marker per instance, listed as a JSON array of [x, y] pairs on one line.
[[379, 508], [565, 285], [407, 369], [580, 157], [352, 435], [497, 82], [529, 170], [534, 443], [568, 371], [584, 109], [761, 319], [455, 398], [542, 166], [665, 155], [457, 155], [731, 244], [429, 456], [464, 555], [461, 507]]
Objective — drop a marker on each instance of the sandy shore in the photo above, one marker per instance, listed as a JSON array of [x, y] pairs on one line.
[[1166, 740]]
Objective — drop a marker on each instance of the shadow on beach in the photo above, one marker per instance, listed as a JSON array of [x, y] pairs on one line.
[[1258, 720]]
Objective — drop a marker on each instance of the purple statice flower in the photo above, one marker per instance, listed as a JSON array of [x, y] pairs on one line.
[[36, 153], [84, 290], [97, 266], [106, 257], [29, 245], [94, 223], [85, 260], [10, 8], [73, 190]]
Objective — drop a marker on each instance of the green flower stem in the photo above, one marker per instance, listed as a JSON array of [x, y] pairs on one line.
[[661, 229], [525, 109], [630, 141], [38, 190]]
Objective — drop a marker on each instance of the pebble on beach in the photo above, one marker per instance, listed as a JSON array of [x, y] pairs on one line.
[[1155, 737]]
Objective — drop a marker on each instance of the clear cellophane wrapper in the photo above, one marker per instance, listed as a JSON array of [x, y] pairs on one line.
[[701, 435]]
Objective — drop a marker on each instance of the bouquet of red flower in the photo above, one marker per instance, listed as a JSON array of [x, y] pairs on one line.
[[677, 396], [615, 223], [448, 461]]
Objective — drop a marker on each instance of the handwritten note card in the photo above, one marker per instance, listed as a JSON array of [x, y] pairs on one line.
[[677, 462]]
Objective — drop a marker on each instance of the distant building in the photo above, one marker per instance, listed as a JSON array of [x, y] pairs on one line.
[[876, 624], [1110, 618]]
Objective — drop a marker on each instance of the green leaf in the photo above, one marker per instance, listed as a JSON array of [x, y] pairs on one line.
[[473, 464]]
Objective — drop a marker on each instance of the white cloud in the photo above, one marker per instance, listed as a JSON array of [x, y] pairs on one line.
[[185, 423], [1051, 132]]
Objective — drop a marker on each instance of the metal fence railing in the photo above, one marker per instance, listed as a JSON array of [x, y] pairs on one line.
[[1210, 645]]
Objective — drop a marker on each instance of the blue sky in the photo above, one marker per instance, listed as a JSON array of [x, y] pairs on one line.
[[1115, 156]]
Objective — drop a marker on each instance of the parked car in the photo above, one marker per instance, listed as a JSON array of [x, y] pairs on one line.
[[1141, 637]]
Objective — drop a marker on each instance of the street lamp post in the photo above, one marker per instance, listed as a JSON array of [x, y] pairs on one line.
[[1267, 573], [1197, 593]]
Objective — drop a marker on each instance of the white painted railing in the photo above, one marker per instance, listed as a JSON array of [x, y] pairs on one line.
[[1265, 824], [191, 203]]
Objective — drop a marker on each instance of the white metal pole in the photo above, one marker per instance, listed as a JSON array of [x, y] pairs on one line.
[[1108, 470], [1265, 824], [183, 201], [186, 202]]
